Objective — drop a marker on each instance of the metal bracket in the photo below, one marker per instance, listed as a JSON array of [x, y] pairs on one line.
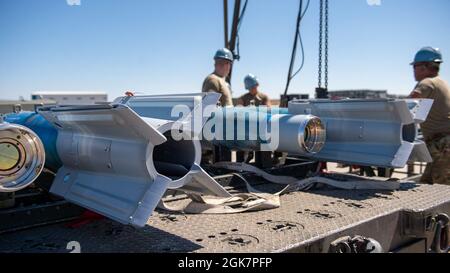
[[441, 243], [356, 244]]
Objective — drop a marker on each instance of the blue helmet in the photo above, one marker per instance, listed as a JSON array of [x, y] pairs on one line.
[[224, 53], [250, 81], [428, 54]]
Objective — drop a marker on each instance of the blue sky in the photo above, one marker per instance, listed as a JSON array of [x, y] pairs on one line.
[[159, 47]]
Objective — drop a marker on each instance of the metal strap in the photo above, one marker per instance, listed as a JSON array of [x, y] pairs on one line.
[[256, 200]]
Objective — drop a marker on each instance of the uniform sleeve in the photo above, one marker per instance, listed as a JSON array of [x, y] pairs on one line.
[[225, 99], [424, 88], [265, 99], [240, 101], [211, 85]]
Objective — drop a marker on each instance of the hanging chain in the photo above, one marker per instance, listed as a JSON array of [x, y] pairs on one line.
[[320, 43], [326, 44]]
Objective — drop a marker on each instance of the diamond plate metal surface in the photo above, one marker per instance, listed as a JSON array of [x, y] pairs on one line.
[[303, 218]]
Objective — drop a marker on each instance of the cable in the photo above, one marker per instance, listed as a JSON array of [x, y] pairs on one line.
[[294, 47], [301, 44], [298, 37], [240, 19]]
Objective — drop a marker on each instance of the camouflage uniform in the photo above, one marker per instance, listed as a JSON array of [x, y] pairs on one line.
[[439, 170], [261, 157], [254, 100], [436, 130], [214, 83]]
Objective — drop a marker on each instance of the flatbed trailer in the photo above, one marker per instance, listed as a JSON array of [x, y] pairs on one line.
[[411, 219]]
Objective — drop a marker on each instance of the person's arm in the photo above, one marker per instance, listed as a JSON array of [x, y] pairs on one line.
[[211, 85], [422, 90], [226, 99], [266, 101], [415, 95], [240, 102]]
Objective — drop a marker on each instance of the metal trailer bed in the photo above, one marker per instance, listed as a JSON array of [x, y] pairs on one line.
[[401, 221]]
